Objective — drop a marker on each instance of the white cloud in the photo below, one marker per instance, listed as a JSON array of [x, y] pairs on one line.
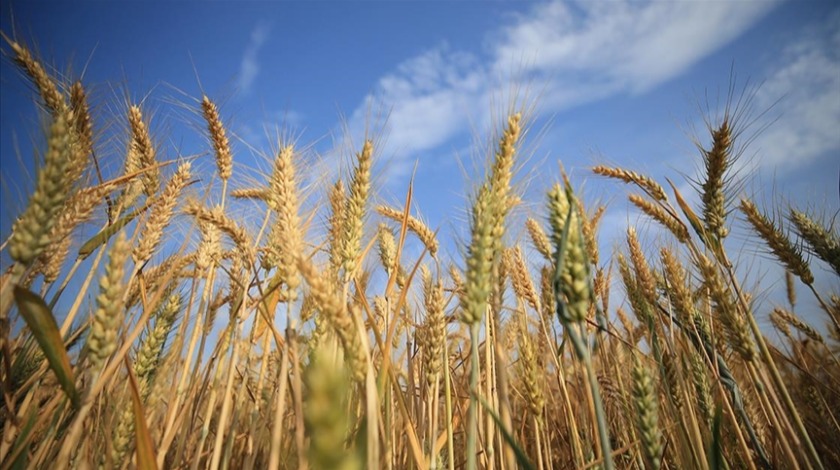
[[807, 85], [250, 67], [623, 46], [582, 52], [427, 99]]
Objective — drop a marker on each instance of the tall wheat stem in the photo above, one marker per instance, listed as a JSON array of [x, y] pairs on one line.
[[472, 420], [489, 436], [433, 412], [774, 371], [77, 303], [538, 442], [63, 284], [280, 410], [600, 415], [450, 445], [711, 359], [297, 395], [227, 399], [74, 432], [771, 408], [178, 386]]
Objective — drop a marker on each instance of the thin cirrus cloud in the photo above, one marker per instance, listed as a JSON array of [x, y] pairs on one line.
[[249, 68], [581, 52], [427, 96], [626, 46], [803, 92], [794, 113]]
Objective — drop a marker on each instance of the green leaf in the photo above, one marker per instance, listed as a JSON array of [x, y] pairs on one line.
[[19, 449], [105, 234], [40, 320], [521, 458], [145, 450], [695, 222]]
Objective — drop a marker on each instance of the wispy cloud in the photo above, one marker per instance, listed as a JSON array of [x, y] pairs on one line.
[[250, 67], [806, 84], [581, 51], [427, 97], [621, 46]]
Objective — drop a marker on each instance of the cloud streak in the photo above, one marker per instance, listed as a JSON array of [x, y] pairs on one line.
[[626, 46], [250, 67], [582, 52], [807, 85]]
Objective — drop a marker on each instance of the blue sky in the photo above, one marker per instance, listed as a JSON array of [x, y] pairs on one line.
[[621, 83]]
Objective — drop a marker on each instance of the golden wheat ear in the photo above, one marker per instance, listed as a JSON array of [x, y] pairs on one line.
[[426, 235], [781, 246], [823, 242], [218, 137]]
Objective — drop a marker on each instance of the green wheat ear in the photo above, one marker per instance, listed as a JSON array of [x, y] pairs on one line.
[[107, 319], [325, 410], [647, 413], [30, 234]]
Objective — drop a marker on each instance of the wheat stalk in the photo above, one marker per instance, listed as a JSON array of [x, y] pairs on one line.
[[735, 325], [647, 412], [644, 276], [717, 160], [218, 219], [779, 243], [333, 308], [415, 225], [520, 278], [249, 193], [325, 412], [218, 137], [285, 239], [823, 243], [679, 291], [654, 211], [574, 272], [47, 88], [78, 209], [647, 184], [539, 238], [161, 213], [479, 258], [144, 149], [30, 233], [354, 210], [797, 323], [102, 340]]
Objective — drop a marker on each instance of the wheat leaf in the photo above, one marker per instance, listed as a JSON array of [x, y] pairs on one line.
[[40, 320]]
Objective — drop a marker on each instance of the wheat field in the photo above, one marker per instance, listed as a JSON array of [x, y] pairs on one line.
[[175, 314]]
